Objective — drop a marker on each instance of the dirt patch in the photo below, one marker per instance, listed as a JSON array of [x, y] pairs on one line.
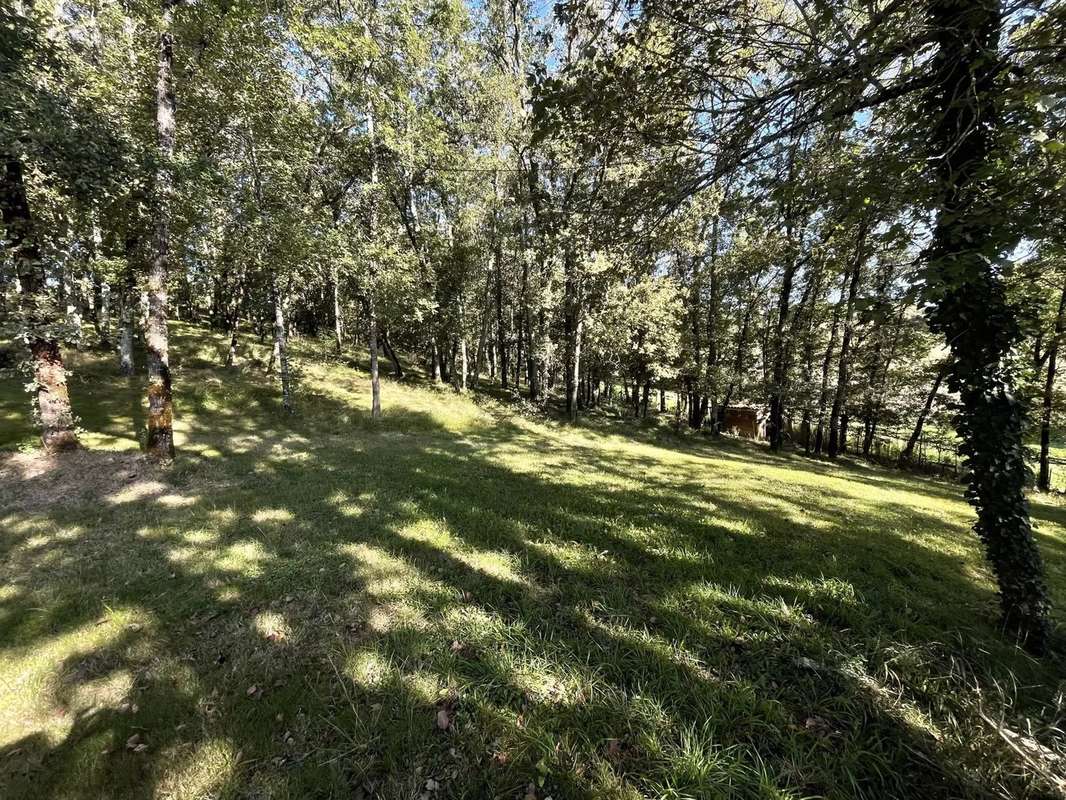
[[35, 481]]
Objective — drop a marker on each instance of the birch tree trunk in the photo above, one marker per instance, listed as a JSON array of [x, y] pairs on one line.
[[125, 336], [281, 348], [160, 400], [338, 321]]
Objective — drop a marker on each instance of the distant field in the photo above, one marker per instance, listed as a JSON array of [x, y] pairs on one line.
[[463, 602]]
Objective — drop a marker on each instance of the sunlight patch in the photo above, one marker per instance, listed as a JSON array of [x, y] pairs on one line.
[[577, 556], [539, 683], [223, 516], [272, 626], [139, 490], [172, 500], [107, 691], [427, 530], [473, 624], [245, 557], [44, 686], [396, 616], [197, 770], [265, 515], [348, 505], [201, 537], [494, 564], [368, 669]]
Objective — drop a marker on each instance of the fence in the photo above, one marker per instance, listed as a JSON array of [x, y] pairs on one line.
[[938, 454]]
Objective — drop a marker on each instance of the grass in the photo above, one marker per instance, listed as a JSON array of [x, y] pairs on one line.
[[463, 602]]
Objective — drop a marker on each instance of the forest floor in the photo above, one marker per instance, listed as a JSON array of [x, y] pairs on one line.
[[463, 601]]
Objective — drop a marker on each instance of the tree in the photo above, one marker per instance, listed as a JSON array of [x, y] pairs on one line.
[[160, 399], [970, 307]]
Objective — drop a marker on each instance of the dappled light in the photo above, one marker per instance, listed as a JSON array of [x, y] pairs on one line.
[[498, 399], [488, 606]]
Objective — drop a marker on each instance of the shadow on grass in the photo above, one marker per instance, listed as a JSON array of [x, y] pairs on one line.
[[300, 608]]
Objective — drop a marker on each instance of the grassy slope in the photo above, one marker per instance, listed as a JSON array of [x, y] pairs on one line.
[[298, 606]]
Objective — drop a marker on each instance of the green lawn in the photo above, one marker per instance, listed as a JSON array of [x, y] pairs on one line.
[[464, 602]]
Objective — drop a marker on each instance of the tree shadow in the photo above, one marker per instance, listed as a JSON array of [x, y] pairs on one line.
[[305, 609]]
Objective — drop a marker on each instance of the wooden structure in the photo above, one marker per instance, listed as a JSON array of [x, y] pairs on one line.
[[746, 421]]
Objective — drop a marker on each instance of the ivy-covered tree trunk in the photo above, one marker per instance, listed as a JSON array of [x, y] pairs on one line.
[[970, 307], [1043, 480], [51, 397], [160, 401]]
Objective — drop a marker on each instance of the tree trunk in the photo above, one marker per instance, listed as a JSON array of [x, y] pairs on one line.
[[125, 338], [434, 361], [49, 375], [372, 320], [779, 374], [101, 295], [696, 325], [338, 320], [127, 293], [1043, 481], [572, 301], [823, 393], [235, 325], [460, 378], [281, 349], [908, 450], [838, 432], [501, 328], [160, 401], [970, 306], [386, 344]]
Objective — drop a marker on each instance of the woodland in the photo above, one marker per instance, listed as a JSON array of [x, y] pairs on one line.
[[437, 398]]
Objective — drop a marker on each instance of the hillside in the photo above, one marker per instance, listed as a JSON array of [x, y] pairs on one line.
[[464, 601]]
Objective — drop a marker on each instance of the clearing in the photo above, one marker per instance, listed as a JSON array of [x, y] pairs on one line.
[[466, 602]]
